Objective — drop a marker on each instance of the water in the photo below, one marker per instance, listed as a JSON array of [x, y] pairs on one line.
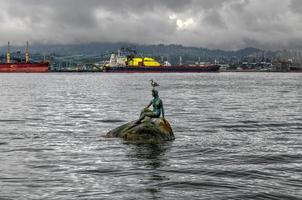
[[238, 136]]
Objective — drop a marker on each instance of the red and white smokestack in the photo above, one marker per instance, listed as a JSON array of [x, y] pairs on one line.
[[27, 53], [8, 53]]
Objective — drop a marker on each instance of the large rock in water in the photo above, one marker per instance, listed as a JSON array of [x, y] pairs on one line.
[[154, 130]]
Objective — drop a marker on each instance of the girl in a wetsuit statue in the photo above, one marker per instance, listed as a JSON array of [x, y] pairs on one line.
[[158, 108]]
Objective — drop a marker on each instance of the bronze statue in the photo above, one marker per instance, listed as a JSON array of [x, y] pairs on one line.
[[150, 127], [157, 104]]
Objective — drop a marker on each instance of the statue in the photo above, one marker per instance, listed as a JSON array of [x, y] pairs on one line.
[[150, 127], [158, 108]]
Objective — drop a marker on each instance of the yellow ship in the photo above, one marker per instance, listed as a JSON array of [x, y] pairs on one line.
[[150, 62]]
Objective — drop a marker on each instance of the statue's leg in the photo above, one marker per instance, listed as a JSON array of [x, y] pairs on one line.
[[143, 115], [151, 114], [144, 111], [146, 114]]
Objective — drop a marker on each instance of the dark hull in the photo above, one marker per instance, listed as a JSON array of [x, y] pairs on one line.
[[295, 69], [24, 67], [163, 69]]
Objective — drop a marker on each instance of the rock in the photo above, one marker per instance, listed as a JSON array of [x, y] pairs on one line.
[[154, 130]]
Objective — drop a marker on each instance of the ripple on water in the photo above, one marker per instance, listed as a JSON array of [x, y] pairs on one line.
[[237, 137]]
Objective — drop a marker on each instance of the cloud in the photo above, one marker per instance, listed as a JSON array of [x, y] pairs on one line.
[[226, 24]]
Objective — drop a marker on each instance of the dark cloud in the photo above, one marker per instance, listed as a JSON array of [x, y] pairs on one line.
[[214, 18], [296, 6], [227, 24]]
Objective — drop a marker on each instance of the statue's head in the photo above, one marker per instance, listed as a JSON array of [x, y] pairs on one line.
[[154, 93]]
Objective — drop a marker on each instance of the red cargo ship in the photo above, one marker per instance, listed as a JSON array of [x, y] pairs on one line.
[[25, 67]]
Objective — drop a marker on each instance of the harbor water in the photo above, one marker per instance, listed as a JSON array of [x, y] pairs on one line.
[[238, 136]]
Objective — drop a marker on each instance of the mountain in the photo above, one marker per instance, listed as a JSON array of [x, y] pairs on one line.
[[169, 52], [155, 50]]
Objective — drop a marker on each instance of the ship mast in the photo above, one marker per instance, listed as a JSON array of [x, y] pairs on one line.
[[27, 53], [8, 53]]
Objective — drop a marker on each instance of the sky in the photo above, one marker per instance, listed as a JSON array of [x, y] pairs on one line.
[[214, 24]]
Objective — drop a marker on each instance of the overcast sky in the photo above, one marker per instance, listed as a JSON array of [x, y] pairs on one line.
[[225, 24]]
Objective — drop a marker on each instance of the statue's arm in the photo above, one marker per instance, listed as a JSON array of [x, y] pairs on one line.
[[148, 106]]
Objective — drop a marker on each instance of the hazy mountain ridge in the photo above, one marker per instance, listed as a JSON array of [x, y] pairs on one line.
[[147, 50]]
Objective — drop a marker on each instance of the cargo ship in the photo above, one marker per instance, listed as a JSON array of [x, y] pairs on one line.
[[127, 61], [14, 65]]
